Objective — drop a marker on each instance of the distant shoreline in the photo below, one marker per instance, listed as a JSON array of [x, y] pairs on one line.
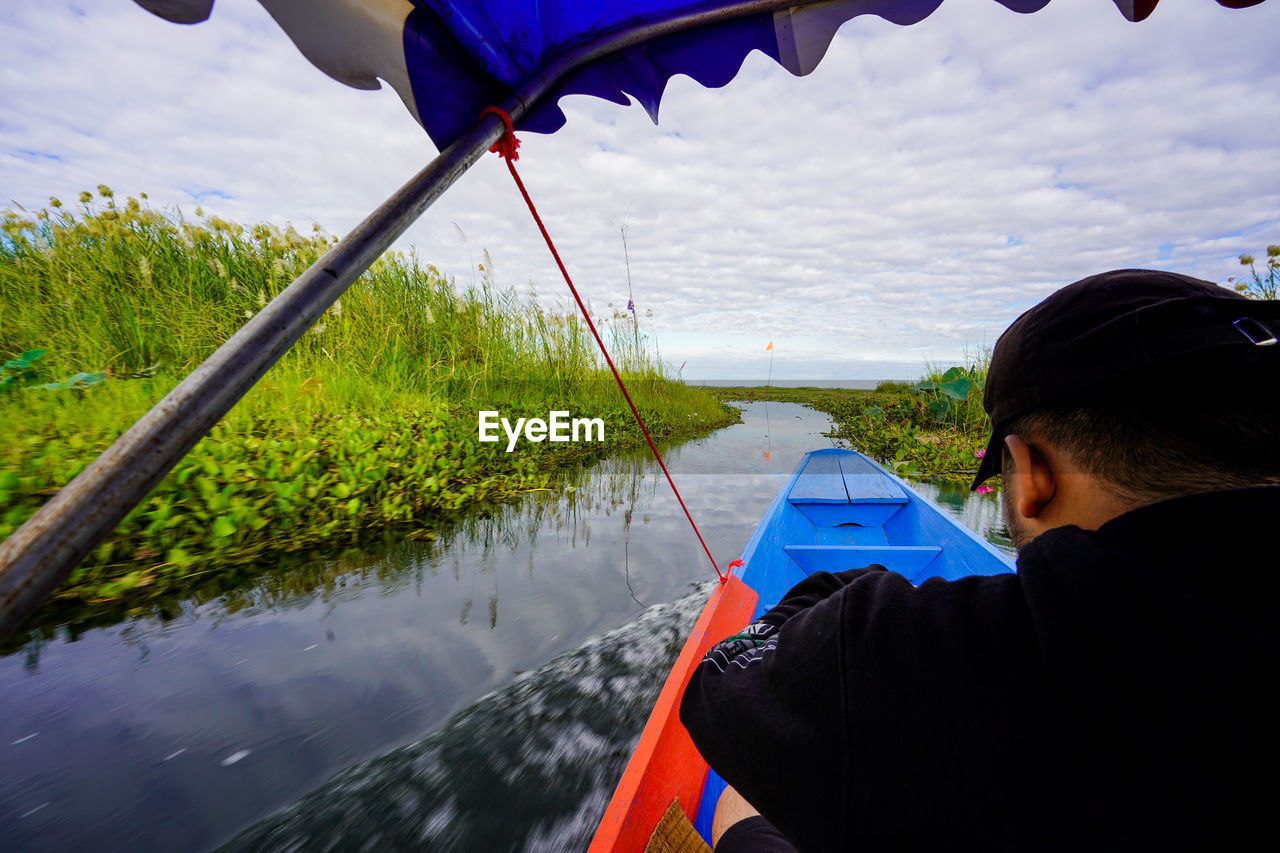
[[935, 429], [851, 384]]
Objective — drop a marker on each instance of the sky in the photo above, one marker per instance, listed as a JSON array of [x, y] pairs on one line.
[[894, 210]]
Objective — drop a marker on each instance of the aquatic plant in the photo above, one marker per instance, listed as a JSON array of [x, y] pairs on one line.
[[19, 372], [369, 421], [933, 429]]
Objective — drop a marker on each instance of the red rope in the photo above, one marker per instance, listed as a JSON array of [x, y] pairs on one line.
[[506, 146]]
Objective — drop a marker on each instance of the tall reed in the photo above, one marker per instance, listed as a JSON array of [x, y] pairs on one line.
[[123, 288], [369, 420]]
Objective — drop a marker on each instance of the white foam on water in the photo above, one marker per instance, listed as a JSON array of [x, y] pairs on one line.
[[33, 811]]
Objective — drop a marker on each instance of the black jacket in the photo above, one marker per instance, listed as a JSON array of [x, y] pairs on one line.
[[1115, 693]]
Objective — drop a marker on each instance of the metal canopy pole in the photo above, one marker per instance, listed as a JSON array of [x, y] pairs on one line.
[[44, 550]]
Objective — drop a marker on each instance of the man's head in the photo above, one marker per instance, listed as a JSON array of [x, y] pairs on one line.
[[1127, 388]]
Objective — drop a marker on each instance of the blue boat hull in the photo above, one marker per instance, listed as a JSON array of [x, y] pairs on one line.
[[840, 510]]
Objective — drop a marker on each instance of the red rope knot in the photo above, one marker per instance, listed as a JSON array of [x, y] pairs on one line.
[[507, 145], [724, 576]]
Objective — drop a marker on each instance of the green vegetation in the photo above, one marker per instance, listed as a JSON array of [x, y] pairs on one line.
[[934, 429], [369, 421], [385, 555], [1260, 285]]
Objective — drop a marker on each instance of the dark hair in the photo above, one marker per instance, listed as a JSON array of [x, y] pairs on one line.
[[1161, 442]]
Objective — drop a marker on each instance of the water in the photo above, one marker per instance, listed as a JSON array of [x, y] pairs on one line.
[[528, 767], [482, 691], [851, 384]]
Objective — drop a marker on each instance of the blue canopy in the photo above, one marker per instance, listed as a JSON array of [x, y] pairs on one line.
[[449, 59]]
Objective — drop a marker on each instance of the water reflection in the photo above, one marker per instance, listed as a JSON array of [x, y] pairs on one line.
[[177, 728], [123, 735], [980, 513], [528, 767]]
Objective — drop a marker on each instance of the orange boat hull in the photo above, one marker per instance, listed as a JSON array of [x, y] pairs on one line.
[[665, 765]]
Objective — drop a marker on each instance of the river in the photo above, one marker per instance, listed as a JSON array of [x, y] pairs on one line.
[[478, 691]]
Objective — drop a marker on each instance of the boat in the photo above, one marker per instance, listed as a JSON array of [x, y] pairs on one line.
[[838, 510]]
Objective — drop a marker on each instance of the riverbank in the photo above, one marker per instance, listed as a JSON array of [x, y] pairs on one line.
[[369, 423], [933, 429]]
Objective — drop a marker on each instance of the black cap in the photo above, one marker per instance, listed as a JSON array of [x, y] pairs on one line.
[[1113, 327]]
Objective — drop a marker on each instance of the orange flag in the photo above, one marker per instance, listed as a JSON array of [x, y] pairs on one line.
[[769, 347]]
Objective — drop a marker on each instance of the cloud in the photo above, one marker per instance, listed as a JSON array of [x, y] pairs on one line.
[[903, 203]]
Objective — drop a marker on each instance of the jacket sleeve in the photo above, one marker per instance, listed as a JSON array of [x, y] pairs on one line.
[[766, 710], [861, 705]]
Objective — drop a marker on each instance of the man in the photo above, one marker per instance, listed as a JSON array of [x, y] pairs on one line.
[[1117, 691]]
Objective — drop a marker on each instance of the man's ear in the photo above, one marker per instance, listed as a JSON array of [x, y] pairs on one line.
[[1035, 487]]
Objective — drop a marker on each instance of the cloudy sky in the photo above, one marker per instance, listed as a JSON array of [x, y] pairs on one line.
[[899, 206]]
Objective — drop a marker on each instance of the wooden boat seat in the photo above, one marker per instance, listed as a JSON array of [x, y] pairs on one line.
[[907, 560], [836, 489]]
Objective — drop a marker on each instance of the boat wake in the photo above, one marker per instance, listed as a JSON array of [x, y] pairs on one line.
[[528, 767]]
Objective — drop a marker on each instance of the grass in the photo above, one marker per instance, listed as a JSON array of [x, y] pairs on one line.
[[369, 421], [932, 429]]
